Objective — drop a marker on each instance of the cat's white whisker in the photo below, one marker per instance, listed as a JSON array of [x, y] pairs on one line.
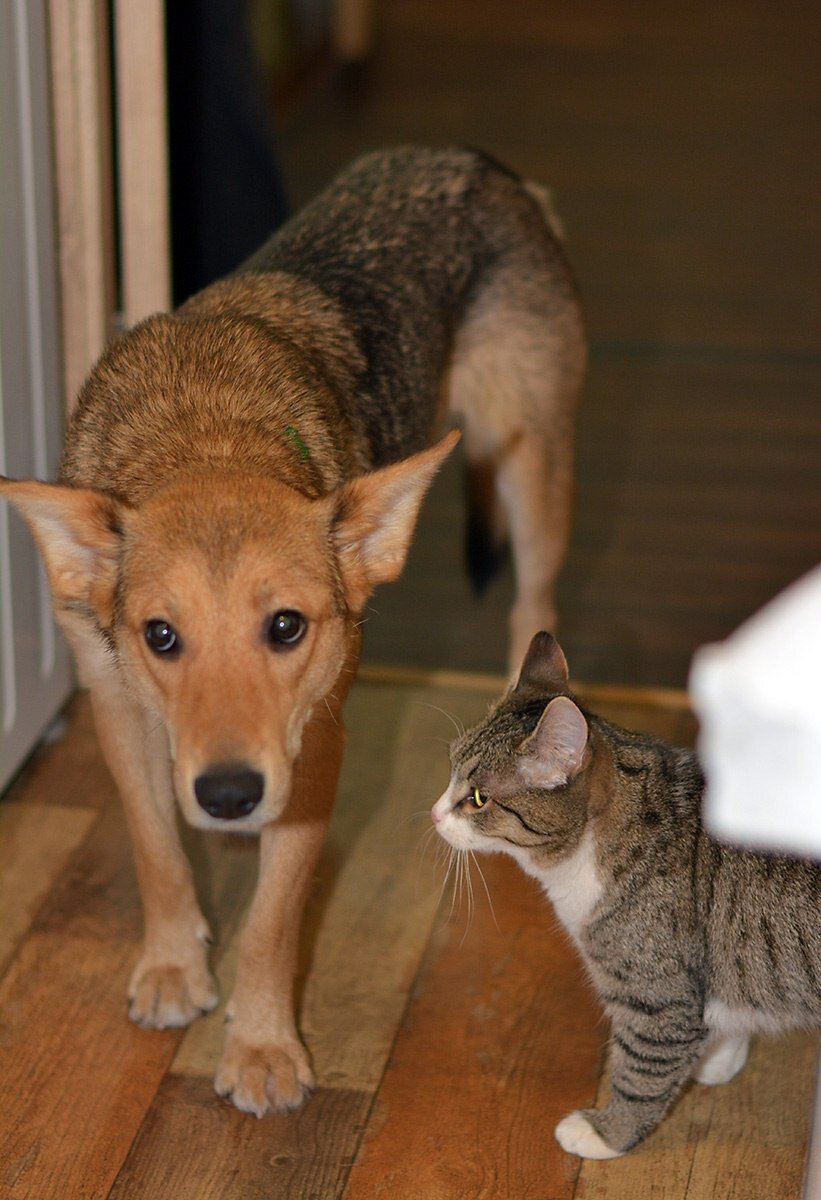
[[417, 816], [456, 862], [440, 855], [457, 725], [424, 843], [451, 864], [469, 889], [487, 890], [423, 848]]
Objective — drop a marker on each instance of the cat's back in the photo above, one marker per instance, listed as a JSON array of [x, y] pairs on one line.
[[745, 923], [646, 803]]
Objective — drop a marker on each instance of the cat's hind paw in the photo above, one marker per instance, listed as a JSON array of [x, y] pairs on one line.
[[722, 1060], [576, 1135]]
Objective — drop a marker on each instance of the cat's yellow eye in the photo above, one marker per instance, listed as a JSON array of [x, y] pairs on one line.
[[477, 798]]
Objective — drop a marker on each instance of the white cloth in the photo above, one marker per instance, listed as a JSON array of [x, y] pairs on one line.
[[758, 698]]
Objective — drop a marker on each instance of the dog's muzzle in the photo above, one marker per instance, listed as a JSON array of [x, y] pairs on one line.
[[229, 791]]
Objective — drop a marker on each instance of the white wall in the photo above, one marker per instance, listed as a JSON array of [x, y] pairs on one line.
[[35, 672]]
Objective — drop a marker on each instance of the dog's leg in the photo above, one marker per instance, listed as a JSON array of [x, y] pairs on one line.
[[264, 1064], [171, 983], [517, 367], [535, 482]]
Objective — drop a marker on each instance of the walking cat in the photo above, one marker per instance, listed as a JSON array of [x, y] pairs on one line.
[[691, 945]]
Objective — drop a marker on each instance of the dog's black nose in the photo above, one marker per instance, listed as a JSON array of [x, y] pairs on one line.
[[229, 791]]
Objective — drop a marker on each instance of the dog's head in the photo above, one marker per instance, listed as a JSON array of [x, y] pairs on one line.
[[230, 607]]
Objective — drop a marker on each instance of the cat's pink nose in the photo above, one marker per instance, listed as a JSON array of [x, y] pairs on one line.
[[435, 816]]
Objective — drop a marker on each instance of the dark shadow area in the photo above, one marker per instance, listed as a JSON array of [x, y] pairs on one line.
[[680, 143], [227, 194]]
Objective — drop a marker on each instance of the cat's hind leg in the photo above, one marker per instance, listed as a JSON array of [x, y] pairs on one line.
[[722, 1060]]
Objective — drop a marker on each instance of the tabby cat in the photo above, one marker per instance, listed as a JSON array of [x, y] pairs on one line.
[[691, 945]]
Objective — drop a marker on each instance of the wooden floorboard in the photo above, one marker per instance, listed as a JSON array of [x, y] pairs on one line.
[[36, 841], [726, 1141], [302, 1156], [77, 1077], [524, 1041], [447, 1043]]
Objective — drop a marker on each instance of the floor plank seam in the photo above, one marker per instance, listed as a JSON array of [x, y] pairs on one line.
[[400, 1025], [45, 900]]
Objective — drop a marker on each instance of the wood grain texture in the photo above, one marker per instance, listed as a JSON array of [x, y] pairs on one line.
[[302, 1156], [36, 842], [77, 1076], [441, 1043], [492, 1053], [142, 146], [745, 1139], [354, 995], [82, 141]]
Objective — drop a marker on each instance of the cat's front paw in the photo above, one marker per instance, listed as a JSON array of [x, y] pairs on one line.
[[576, 1135]]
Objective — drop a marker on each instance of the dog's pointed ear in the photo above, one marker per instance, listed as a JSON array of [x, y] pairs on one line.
[[374, 517], [79, 534]]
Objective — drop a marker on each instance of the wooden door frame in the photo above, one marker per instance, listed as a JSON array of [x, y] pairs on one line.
[[95, 103]]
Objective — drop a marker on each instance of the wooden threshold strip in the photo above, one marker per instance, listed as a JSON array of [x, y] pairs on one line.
[[674, 699]]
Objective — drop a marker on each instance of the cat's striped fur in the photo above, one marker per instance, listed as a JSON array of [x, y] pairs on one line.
[[691, 945]]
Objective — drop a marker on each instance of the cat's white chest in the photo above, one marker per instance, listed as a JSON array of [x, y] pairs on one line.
[[573, 886]]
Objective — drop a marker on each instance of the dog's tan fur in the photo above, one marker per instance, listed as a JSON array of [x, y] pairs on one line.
[[216, 473]]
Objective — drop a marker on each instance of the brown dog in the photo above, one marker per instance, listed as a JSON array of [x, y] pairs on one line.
[[239, 476]]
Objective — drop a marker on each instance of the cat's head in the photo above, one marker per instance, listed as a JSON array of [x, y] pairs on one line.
[[512, 775]]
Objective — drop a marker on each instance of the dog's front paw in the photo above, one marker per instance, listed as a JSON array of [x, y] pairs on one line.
[[264, 1078], [576, 1135], [170, 996]]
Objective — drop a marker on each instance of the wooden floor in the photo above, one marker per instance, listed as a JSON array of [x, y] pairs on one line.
[[681, 142], [447, 1042]]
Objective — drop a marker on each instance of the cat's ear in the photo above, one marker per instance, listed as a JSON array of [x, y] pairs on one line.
[[554, 752], [544, 669]]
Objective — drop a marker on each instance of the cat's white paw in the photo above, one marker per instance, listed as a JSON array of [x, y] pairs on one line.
[[576, 1135], [722, 1059]]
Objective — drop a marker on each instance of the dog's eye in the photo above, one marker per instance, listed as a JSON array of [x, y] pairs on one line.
[[162, 637], [286, 628]]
